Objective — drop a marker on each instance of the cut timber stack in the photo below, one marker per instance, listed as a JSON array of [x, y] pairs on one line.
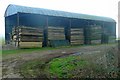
[[27, 37], [112, 39], [56, 37], [93, 34], [56, 33], [77, 36]]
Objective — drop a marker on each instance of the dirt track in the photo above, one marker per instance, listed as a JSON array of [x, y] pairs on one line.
[[13, 61]]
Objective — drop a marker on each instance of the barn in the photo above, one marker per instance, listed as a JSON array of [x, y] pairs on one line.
[[27, 26]]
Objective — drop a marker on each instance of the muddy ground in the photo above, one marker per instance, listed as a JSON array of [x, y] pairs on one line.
[[11, 63]]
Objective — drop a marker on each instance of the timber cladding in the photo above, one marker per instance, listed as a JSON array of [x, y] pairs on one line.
[[27, 37]]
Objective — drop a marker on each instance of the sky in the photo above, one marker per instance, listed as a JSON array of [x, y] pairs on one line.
[[107, 8]]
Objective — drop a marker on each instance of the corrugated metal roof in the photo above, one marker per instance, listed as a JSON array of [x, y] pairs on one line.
[[13, 9]]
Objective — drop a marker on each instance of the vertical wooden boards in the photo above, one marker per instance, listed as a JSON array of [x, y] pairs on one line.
[[28, 37], [77, 36]]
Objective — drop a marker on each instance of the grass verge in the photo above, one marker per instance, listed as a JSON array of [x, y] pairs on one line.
[[65, 67], [32, 69], [74, 67], [16, 51]]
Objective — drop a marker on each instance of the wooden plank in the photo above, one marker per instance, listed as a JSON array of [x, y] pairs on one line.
[[77, 42], [30, 44], [56, 34], [21, 33], [38, 30], [30, 40], [95, 41], [76, 29], [80, 32], [27, 27], [56, 38], [56, 28]]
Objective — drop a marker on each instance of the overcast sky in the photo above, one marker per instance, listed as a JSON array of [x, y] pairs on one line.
[[107, 8]]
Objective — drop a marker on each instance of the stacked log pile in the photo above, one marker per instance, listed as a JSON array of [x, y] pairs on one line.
[[112, 39], [26, 37], [56, 33], [93, 34], [56, 37], [77, 36]]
